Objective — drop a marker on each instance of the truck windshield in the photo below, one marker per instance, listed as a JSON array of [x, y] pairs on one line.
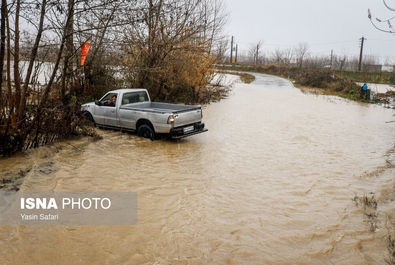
[[134, 97]]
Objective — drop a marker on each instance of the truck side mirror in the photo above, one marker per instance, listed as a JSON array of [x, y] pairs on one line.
[[97, 102]]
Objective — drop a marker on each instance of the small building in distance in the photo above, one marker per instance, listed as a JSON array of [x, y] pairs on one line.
[[387, 68], [378, 68]]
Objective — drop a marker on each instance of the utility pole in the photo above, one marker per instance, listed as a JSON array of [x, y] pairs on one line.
[[237, 48], [257, 54], [361, 54], [231, 51], [331, 59]]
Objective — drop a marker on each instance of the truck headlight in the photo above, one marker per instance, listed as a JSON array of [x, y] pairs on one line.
[[171, 119]]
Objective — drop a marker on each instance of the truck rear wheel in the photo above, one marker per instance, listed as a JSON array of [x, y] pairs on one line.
[[146, 131]]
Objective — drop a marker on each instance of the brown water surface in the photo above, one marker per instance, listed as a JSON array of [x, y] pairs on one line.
[[272, 182]]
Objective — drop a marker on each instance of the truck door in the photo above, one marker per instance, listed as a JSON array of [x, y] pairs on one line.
[[106, 112]]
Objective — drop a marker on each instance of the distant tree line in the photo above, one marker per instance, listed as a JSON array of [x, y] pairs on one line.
[[301, 57]]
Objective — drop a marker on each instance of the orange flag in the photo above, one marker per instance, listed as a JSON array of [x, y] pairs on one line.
[[84, 52]]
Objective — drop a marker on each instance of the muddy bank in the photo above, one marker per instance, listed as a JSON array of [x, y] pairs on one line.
[[37, 163]]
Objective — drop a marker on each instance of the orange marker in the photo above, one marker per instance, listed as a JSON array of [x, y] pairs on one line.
[[84, 52]]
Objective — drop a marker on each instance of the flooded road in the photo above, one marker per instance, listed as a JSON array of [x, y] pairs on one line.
[[272, 182]]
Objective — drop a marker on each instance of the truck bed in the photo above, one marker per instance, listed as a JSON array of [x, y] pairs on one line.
[[160, 107]]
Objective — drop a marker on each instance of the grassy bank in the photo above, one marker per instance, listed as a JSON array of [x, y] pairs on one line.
[[369, 77], [244, 77], [322, 81]]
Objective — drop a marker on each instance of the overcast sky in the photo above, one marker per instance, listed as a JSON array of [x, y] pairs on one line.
[[323, 24]]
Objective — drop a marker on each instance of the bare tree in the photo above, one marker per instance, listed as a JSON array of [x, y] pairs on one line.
[[300, 52], [316, 62], [288, 56], [342, 63], [32, 59], [220, 50], [33, 32], [283, 56], [255, 52], [170, 47], [2, 50], [278, 56], [381, 24]]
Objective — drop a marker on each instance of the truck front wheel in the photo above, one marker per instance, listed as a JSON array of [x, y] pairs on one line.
[[146, 131], [89, 117]]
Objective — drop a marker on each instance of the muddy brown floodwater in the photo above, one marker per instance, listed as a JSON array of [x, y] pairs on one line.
[[272, 182]]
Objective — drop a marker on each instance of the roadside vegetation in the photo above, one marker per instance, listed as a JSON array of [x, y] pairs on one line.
[[244, 77], [391, 250], [166, 46], [369, 204], [369, 77]]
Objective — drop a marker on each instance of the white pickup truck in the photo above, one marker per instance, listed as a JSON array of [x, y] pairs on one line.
[[132, 110]]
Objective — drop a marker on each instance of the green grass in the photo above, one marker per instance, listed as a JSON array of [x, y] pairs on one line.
[[369, 77], [247, 78], [244, 77]]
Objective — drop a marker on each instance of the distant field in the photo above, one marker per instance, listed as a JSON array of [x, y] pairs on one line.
[[362, 77], [369, 77]]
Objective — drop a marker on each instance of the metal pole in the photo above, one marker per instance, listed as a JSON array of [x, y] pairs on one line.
[[237, 48], [257, 53], [361, 54], [231, 51]]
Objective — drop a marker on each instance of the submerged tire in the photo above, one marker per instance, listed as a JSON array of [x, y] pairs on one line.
[[146, 131], [89, 117]]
